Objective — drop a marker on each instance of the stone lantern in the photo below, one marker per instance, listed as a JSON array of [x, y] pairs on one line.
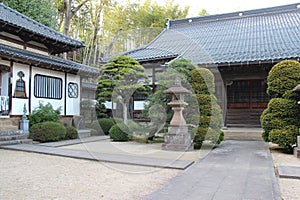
[[297, 148], [178, 138]]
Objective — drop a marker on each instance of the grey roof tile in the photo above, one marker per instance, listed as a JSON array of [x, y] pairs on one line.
[[12, 52], [17, 19], [257, 35]]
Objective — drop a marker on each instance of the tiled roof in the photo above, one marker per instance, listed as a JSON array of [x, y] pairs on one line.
[[47, 61], [258, 35], [14, 18]]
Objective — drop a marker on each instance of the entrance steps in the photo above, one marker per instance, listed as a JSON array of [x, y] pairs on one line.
[[9, 137], [243, 133]]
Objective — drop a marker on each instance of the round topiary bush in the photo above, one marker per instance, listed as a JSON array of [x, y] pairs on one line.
[[285, 137], [119, 132], [47, 132], [71, 133], [106, 124], [284, 76]]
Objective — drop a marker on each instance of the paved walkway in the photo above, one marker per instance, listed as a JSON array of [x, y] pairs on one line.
[[236, 170], [51, 149]]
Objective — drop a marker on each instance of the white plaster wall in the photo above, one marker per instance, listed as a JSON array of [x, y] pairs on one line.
[[56, 103], [11, 44], [18, 103], [73, 104]]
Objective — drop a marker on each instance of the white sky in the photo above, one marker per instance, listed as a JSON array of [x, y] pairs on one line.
[[224, 6]]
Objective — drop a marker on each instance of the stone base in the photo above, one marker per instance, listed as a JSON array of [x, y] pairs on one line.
[[178, 139], [297, 152]]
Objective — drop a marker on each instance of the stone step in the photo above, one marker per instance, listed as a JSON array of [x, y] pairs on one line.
[[13, 137], [83, 133], [11, 132], [12, 142]]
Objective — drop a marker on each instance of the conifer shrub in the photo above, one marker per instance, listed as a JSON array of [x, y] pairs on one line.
[[210, 119], [71, 133], [119, 132], [285, 137], [284, 76], [47, 132]]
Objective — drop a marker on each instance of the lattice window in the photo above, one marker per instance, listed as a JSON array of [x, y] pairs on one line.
[[72, 90]]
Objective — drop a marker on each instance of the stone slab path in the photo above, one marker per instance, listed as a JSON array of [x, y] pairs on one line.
[[288, 172], [103, 157], [234, 171]]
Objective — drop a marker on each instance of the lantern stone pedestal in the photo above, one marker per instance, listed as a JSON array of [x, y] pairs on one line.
[[297, 148], [178, 137]]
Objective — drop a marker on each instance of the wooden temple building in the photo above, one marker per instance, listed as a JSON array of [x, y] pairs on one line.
[[240, 48]]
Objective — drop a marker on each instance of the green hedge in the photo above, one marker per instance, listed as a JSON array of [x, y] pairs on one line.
[[119, 132], [282, 77], [71, 133], [106, 124], [47, 132], [285, 137]]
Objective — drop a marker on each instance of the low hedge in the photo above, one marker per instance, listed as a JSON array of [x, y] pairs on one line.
[[106, 124], [119, 132], [71, 133], [47, 132], [285, 137]]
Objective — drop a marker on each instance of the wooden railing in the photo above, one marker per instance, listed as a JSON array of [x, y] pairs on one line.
[[4, 105]]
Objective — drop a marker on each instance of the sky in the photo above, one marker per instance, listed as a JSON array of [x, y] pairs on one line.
[[224, 6]]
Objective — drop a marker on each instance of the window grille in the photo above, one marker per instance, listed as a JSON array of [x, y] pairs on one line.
[[47, 87]]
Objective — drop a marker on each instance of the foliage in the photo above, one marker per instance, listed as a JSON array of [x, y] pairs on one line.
[[285, 137], [210, 119], [282, 77], [43, 113], [280, 113], [122, 78], [280, 119], [71, 133], [106, 124], [42, 11], [47, 132], [179, 68], [119, 132]]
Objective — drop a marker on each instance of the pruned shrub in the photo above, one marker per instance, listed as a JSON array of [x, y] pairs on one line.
[[119, 132], [47, 132], [285, 137], [210, 119], [71, 133], [284, 76], [43, 113], [106, 124]]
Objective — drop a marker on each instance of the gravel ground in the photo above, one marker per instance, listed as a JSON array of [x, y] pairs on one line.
[[35, 176], [289, 187]]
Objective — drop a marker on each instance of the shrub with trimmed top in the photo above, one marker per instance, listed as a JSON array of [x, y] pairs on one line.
[[210, 119], [285, 137], [284, 76], [47, 132], [106, 124], [119, 132]]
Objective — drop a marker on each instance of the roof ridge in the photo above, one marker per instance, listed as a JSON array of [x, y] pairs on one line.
[[40, 24], [234, 15]]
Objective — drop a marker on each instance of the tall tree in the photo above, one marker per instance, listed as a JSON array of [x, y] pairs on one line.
[[43, 11]]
